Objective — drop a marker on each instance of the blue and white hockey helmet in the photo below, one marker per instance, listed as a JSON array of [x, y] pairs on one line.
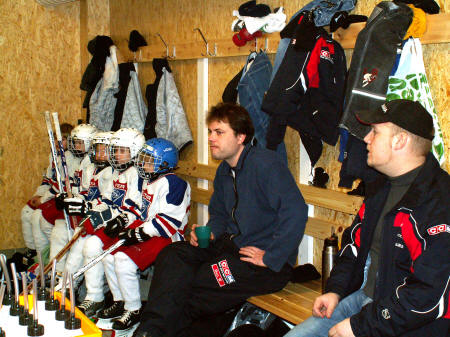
[[157, 156]]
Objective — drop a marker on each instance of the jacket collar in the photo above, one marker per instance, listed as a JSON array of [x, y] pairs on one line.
[[242, 157], [417, 192]]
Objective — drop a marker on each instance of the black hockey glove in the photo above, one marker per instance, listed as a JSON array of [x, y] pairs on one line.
[[116, 225], [134, 236], [76, 206], [97, 218], [59, 201]]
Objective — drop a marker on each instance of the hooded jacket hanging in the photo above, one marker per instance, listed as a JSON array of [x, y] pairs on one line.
[[171, 121], [307, 90], [372, 62], [103, 101], [131, 110]]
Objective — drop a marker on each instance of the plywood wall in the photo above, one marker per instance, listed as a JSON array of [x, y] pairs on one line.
[[39, 70], [175, 21]]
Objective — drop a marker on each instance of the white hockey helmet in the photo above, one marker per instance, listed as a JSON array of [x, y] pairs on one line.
[[81, 134], [123, 142], [104, 138]]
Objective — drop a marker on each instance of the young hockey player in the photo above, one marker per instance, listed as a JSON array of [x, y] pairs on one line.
[[35, 238], [116, 210], [96, 181], [164, 215], [79, 143]]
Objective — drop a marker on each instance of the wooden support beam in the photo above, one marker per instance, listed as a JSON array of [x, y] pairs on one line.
[[438, 31]]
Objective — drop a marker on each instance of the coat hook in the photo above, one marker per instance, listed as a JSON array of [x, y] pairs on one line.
[[167, 47], [206, 43], [174, 54], [266, 45]]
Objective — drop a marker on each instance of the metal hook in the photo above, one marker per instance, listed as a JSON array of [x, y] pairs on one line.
[[266, 45], [206, 43], [167, 47]]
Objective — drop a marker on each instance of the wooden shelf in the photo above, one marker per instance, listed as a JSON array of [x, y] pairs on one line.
[[438, 31]]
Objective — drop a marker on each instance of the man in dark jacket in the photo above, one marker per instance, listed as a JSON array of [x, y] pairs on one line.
[[257, 219], [392, 274]]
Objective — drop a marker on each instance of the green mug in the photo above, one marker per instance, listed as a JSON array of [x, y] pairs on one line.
[[203, 235]]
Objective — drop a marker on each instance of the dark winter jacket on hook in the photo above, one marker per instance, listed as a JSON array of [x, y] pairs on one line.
[[372, 62], [307, 90]]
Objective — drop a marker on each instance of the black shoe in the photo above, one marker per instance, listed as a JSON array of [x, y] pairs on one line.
[[90, 308], [28, 257], [127, 320], [114, 311]]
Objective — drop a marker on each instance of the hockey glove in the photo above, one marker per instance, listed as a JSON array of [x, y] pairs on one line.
[[116, 225], [96, 219], [76, 206], [134, 236], [59, 201]]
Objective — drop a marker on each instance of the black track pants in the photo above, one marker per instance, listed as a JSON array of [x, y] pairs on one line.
[[191, 282]]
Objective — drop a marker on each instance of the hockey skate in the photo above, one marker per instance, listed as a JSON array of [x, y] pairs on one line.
[[106, 316]]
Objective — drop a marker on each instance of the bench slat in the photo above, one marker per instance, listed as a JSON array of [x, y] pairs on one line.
[[293, 303]]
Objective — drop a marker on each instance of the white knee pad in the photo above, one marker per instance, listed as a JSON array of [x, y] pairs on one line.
[[128, 279], [27, 230], [58, 239], [40, 239], [94, 276]]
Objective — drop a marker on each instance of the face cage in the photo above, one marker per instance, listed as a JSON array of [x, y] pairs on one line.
[[92, 155], [73, 149], [142, 159], [113, 160]]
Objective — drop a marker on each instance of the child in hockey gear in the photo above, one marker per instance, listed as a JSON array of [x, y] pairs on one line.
[[36, 238], [90, 195], [164, 215], [123, 201], [96, 181], [79, 143]]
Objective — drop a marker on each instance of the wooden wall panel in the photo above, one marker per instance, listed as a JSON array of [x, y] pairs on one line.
[[175, 21], [39, 70]]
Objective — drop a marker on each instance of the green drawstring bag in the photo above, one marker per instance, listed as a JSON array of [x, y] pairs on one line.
[[410, 82]]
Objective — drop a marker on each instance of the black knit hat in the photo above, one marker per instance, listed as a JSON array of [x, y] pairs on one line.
[[136, 41], [250, 8], [409, 115]]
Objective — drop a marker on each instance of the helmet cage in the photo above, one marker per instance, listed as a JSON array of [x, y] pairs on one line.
[[144, 157], [94, 151], [73, 141], [115, 153]]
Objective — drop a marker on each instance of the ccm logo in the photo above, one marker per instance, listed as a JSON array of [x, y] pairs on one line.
[[438, 229]]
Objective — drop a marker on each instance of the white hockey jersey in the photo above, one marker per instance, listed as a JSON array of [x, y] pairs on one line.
[[165, 207], [125, 195]]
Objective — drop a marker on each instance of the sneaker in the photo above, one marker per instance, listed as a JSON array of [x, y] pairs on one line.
[[114, 311], [89, 308], [127, 320]]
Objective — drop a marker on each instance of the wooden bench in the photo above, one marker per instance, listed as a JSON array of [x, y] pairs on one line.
[[294, 302]]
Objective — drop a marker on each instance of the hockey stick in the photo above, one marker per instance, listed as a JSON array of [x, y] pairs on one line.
[[94, 261], [63, 162], [55, 163], [78, 232]]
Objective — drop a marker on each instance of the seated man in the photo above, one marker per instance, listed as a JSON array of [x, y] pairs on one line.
[[257, 219], [400, 236]]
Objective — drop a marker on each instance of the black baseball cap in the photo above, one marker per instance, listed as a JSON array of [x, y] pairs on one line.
[[409, 115]]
